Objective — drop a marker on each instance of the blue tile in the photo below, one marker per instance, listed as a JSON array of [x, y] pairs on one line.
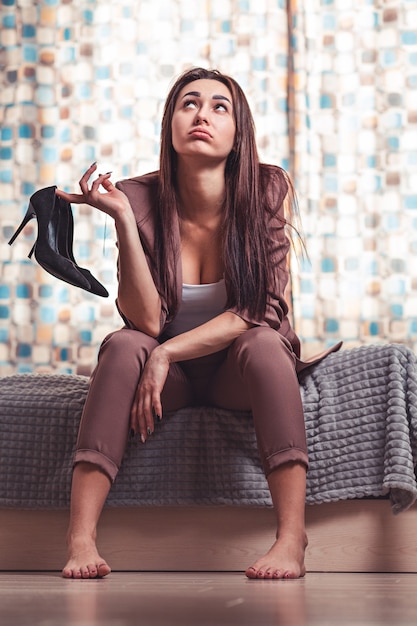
[[102, 73], [28, 31], [23, 291], [4, 335], [88, 16], [393, 143], [326, 101], [24, 350], [330, 160], [25, 131], [410, 202], [6, 153], [4, 292], [307, 286], [4, 312], [49, 154], [397, 311], [9, 21], [6, 133], [24, 368], [331, 326], [409, 38], [45, 95], [45, 291], [47, 314], [30, 54], [86, 336], [6, 176], [47, 132], [63, 354], [374, 329], [27, 188], [328, 265]]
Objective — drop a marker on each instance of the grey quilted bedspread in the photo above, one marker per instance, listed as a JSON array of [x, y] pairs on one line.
[[361, 420]]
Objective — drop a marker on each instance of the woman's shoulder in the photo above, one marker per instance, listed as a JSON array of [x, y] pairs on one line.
[[273, 174], [145, 181], [275, 184], [142, 192]]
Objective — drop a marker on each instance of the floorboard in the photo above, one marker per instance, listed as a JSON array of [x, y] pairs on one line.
[[212, 599]]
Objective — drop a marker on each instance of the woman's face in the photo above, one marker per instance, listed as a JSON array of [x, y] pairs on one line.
[[203, 124]]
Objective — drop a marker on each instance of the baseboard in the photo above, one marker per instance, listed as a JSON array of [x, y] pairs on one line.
[[348, 536]]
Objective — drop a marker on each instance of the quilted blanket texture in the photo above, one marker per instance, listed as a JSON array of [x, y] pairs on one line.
[[361, 421]]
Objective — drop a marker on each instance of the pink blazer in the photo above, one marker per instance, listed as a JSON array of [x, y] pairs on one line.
[[142, 194]]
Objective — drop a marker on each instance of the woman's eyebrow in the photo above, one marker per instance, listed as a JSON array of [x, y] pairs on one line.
[[197, 94]]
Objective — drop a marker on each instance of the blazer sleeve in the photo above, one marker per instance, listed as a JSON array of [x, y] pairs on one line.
[[141, 192]]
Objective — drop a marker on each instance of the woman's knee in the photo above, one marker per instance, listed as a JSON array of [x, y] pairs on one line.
[[263, 344], [127, 344]]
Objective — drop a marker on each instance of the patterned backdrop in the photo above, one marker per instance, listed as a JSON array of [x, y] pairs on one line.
[[86, 80]]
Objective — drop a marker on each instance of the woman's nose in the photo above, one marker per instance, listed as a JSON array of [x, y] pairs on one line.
[[201, 116]]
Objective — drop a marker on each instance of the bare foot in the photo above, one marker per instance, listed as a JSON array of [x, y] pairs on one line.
[[84, 561], [284, 560]]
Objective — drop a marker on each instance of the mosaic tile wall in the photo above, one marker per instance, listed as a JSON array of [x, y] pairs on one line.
[[354, 121], [86, 80]]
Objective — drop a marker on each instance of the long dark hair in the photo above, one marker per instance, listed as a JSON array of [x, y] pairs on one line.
[[246, 204]]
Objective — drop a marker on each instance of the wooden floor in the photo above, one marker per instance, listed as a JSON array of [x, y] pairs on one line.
[[212, 599]]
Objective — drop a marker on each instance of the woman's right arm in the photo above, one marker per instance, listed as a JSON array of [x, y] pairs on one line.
[[138, 298]]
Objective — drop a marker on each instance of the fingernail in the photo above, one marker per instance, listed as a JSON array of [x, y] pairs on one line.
[[93, 164], [149, 431], [159, 417], [107, 173], [142, 438]]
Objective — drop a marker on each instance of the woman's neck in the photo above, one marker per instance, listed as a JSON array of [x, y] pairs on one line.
[[201, 193]]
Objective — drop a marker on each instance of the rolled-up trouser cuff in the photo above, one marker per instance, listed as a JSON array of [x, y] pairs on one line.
[[289, 455], [103, 463]]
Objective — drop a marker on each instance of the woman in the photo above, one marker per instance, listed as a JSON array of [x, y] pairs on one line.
[[207, 231]]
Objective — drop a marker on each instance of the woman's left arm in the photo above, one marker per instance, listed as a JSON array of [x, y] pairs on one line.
[[212, 336]]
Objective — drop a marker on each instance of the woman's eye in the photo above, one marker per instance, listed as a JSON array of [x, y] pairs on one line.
[[190, 104], [220, 107]]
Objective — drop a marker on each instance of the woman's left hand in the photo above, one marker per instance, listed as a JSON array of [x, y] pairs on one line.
[[147, 403]]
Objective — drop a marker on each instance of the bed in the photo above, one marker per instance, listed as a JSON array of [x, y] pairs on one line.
[[194, 497]]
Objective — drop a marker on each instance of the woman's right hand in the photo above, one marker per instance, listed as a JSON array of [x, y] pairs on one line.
[[113, 201]]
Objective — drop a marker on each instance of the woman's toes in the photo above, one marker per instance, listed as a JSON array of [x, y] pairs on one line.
[[103, 569], [251, 572]]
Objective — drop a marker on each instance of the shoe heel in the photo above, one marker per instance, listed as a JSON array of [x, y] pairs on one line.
[[31, 251], [30, 214]]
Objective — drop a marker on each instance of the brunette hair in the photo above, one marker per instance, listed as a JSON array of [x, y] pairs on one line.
[[247, 204]]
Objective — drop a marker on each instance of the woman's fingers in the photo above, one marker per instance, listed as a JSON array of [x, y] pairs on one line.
[[83, 182], [143, 414], [79, 198]]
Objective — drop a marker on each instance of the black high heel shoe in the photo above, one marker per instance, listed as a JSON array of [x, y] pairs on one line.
[[65, 245], [43, 206]]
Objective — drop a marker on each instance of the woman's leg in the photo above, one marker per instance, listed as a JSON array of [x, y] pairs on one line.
[[103, 434], [285, 559], [89, 490], [259, 375]]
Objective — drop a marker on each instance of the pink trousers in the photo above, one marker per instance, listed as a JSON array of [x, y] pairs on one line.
[[256, 373]]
